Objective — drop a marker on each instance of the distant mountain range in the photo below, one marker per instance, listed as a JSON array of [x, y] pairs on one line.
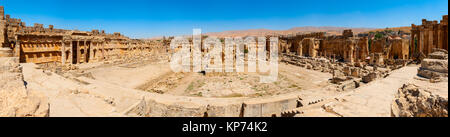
[[308, 29], [404, 29], [263, 32]]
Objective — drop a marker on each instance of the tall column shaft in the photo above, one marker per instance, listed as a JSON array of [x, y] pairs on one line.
[[17, 49], [63, 52], [78, 52], [91, 51], [421, 41], [430, 41], [412, 43], [71, 52]]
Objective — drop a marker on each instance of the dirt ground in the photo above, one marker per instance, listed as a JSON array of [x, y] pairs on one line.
[[158, 78]]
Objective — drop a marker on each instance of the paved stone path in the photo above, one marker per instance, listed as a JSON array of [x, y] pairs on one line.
[[371, 100], [374, 99]]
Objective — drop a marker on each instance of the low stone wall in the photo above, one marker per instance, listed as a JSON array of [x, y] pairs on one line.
[[157, 105]]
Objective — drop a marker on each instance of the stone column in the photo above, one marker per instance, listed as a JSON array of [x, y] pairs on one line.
[[78, 52], [103, 50], [71, 52], [63, 52], [430, 41], [421, 41], [98, 50], [412, 43], [17, 49], [86, 55], [300, 49], [439, 38], [91, 51]]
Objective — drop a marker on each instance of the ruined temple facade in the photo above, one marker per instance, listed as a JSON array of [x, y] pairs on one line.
[[429, 35], [399, 49], [345, 47], [391, 48], [37, 44], [301, 44]]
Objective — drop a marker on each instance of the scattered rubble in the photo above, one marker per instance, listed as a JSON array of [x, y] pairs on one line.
[[414, 101], [435, 66]]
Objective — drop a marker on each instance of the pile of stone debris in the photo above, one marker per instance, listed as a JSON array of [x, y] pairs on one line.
[[435, 67], [429, 100], [414, 101]]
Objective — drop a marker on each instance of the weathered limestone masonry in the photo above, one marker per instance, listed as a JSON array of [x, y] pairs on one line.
[[4, 50], [37, 44], [347, 56], [301, 44], [426, 96], [389, 48], [399, 49], [415, 101], [346, 47], [429, 35], [435, 66], [15, 99]]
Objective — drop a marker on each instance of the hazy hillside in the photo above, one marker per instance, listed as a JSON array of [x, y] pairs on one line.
[[263, 32], [404, 29]]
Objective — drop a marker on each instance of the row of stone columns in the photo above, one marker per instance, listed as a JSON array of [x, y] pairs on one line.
[[78, 52], [100, 51], [428, 37]]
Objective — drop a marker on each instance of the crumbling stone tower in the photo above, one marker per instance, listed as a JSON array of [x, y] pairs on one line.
[[5, 51], [2, 26]]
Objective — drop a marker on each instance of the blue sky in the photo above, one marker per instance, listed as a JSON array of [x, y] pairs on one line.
[[149, 18]]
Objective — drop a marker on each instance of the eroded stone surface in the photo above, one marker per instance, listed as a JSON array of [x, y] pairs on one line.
[[15, 99], [435, 66], [413, 101]]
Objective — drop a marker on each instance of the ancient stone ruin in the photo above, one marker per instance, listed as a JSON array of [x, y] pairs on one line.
[[46, 71], [414, 101], [435, 66], [15, 99], [425, 96], [429, 35], [37, 44]]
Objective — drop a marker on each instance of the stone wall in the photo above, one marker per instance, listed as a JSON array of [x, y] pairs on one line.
[[40, 44], [391, 48], [293, 43], [399, 49], [345, 48]]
